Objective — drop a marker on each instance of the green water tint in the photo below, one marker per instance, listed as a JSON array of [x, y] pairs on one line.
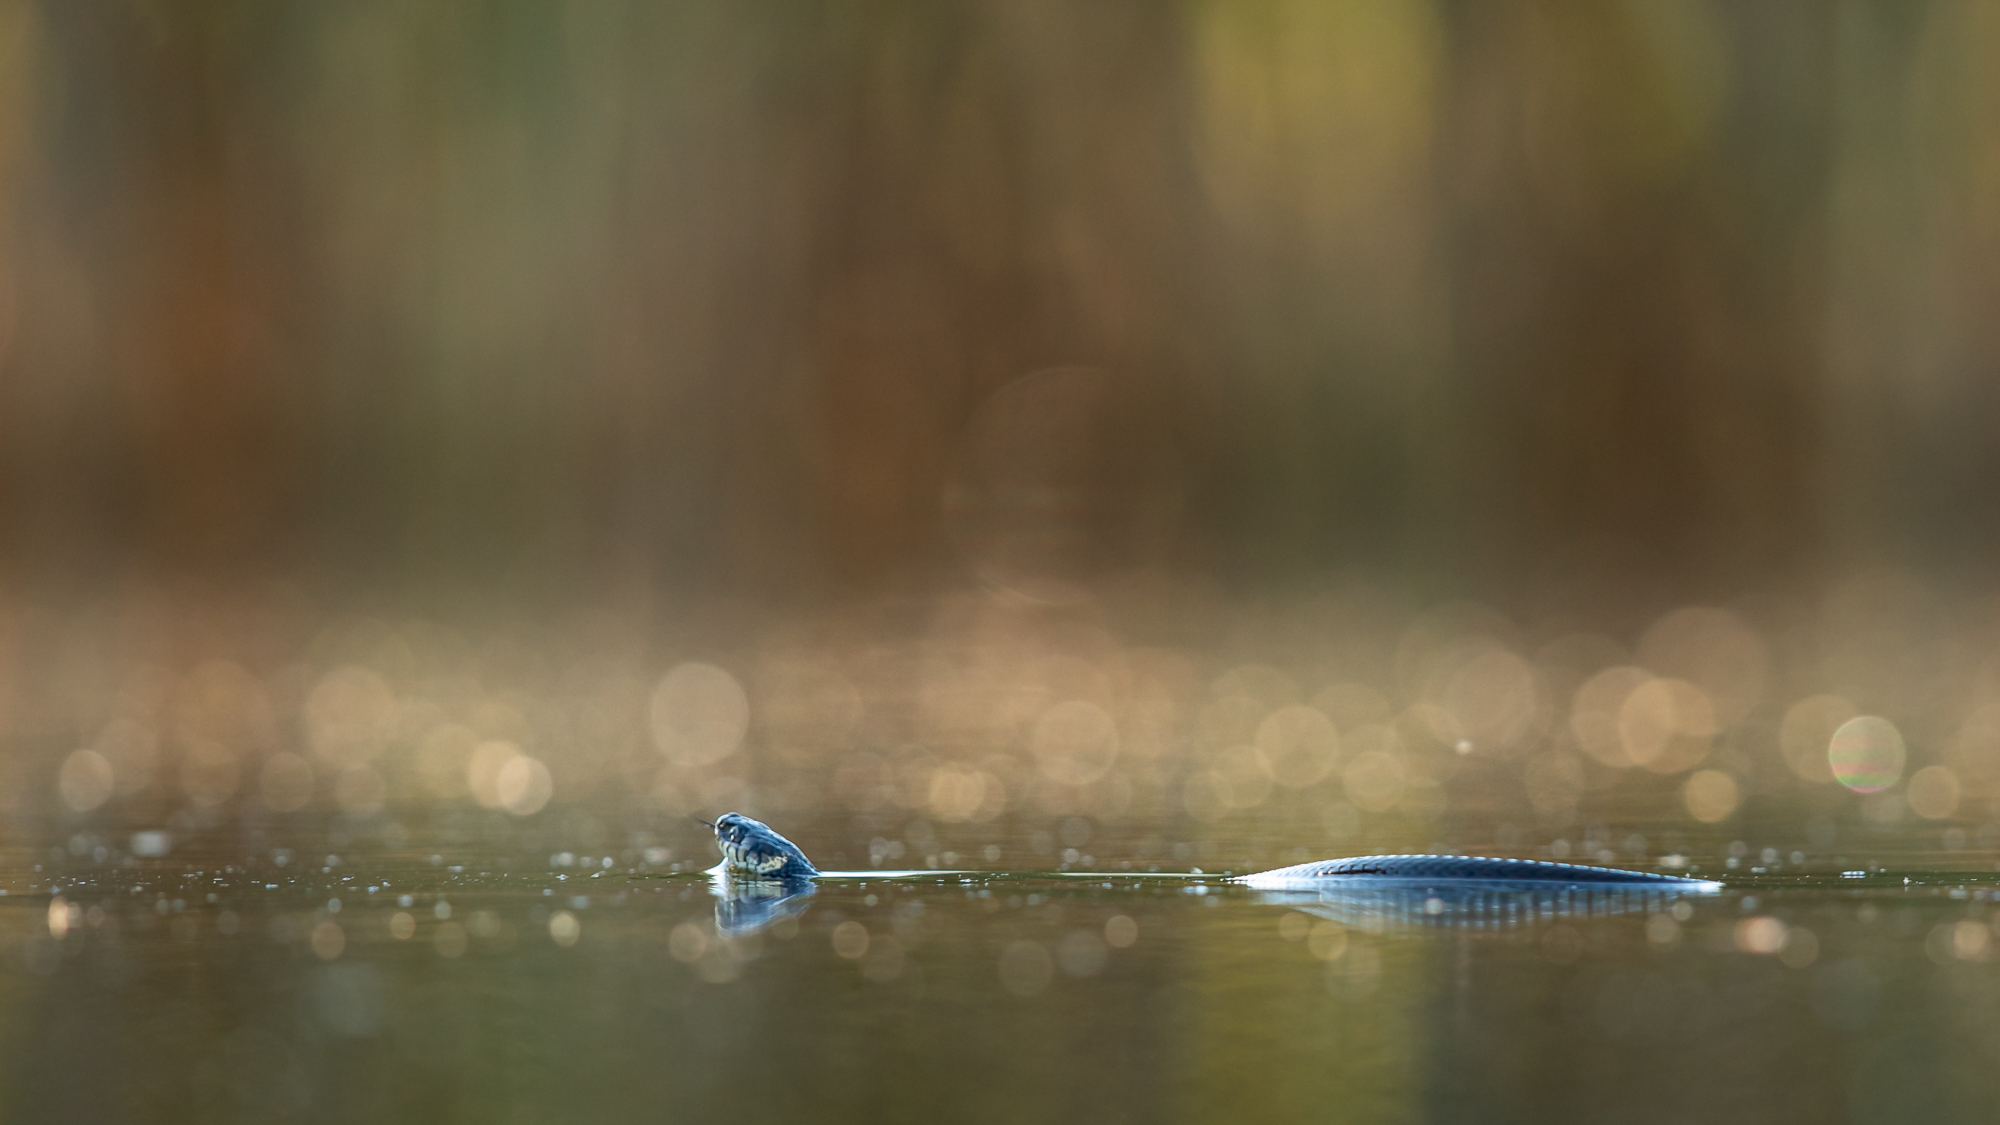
[[998, 996]]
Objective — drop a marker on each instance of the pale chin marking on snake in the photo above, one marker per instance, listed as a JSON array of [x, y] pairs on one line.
[[750, 847]]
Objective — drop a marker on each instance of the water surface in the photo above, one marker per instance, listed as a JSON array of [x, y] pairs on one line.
[[404, 986]]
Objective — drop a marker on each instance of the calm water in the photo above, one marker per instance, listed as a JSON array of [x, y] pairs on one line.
[[217, 984]]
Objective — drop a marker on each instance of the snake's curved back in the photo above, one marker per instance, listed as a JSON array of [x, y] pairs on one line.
[[1454, 868]]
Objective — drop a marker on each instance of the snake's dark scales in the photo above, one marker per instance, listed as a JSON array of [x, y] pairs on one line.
[[1423, 867]]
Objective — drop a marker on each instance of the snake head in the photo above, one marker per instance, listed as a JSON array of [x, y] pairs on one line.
[[734, 828], [750, 845]]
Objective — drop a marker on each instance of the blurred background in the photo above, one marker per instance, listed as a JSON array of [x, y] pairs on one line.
[[1147, 426]]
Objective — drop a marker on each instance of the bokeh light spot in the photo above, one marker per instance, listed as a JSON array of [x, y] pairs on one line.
[[1327, 940], [328, 940], [1081, 953], [850, 940], [1762, 934], [1711, 796], [699, 714], [1245, 776], [1595, 715], [1374, 781], [564, 928], [1074, 742], [522, 785], [1715, 651], [349, 715], [1299, 744], [1933, 792], [687, 942], [483, 769], [1866, 754], [959, 794], [1489, 697], [1665, 725], [86, 780]]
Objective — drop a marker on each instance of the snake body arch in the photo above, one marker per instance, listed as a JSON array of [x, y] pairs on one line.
[[1458, 869]]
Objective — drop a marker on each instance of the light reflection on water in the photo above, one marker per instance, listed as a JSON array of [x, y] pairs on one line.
[[387, 989]]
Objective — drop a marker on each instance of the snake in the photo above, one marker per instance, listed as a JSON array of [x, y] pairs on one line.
[[751, 847]]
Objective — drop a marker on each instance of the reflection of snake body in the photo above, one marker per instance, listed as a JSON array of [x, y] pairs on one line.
[[1390, 906], [748, 906]]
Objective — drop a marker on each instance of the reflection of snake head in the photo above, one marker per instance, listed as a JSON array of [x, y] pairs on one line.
[[748, 906], [751, 847]]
